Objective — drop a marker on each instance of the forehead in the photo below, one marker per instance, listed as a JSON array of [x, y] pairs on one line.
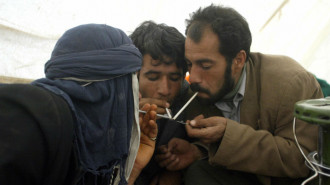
[[208, 44], [166, 66]]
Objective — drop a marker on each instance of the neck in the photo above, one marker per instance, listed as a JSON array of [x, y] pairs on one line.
[[231, 94]]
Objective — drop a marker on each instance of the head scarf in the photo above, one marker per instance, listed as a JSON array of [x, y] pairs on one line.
[[91, 68]]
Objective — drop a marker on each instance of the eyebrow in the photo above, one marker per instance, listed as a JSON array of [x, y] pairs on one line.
[[160, 62], [152, 72], [200, 60], [158, 72]]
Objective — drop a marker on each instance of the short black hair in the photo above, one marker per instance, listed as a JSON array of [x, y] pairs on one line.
[[160, 40], [231, 28]]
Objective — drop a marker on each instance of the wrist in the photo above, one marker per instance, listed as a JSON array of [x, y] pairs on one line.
[[134, 175], [200, 152]]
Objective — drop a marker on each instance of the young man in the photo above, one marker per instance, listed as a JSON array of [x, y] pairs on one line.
[[161, 82], [79, 125], [244, 109]]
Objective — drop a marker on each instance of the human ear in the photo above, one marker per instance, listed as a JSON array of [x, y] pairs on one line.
[[238, 63], [240, 59]]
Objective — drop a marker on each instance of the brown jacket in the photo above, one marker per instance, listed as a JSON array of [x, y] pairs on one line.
[[263, 143]]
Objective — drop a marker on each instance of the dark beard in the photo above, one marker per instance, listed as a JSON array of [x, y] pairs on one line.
[[228, 86]]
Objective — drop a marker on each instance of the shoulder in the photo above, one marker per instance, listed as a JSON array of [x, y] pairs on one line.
[[277, 69], [276, 77], [33, 100], [278, 63], [27, 93]]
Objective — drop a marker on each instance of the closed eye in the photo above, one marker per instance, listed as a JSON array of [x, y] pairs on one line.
[[205, 65], [175, 77], [152, 76]]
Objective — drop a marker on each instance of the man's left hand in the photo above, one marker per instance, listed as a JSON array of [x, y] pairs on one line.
[[148, 136], [149, 130]]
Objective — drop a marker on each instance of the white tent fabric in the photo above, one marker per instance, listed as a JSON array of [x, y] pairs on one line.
[[29, 28]]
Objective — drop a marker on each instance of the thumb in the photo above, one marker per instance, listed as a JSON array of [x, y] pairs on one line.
[[193, 122]]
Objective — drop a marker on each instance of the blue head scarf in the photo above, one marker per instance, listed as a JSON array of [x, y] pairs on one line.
[[91, 67]]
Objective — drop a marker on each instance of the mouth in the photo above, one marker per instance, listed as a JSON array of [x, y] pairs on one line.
[[167, 99], [202, 94]]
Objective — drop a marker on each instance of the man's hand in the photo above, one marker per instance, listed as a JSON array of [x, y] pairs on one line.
[[149, 131], [161, 104], [208, 130], [177, 155]]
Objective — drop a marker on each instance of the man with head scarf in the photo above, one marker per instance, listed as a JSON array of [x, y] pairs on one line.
[[79, 125]]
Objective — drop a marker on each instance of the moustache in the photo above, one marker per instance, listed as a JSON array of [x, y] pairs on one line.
[[197, 88]]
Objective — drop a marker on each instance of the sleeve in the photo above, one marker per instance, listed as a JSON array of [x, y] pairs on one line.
[[273, 151], [35, 137]]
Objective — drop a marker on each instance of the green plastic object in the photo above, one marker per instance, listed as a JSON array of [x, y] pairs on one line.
[[317, 111]]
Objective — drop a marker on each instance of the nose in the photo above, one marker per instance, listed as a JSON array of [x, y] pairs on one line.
[[163, 87], [195, 76]]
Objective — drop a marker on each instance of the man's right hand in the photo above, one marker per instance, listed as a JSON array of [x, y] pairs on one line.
[[207, 130], [161, 104], [177, 155]]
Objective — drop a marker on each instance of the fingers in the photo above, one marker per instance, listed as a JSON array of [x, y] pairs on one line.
[[163, 156], [201, 133], [162, 149], [148, 124], [173, 164], [143, 118], [168, 161], [164, 160], [167, 154], [172, 144], [161, 104], [200, 122], [145, 107], [152, 122], [176, 155], [208, 130], [153, 107], [177, 145], [153, 129], [153, 111]]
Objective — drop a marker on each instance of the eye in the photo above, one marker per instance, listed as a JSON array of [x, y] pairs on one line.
[[175, 77], [206, 65], [152, 76]]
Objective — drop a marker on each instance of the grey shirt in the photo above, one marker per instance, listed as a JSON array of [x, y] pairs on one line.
[[231, 109]]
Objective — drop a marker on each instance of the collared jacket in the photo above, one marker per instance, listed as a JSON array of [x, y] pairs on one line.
[[263, 142]]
